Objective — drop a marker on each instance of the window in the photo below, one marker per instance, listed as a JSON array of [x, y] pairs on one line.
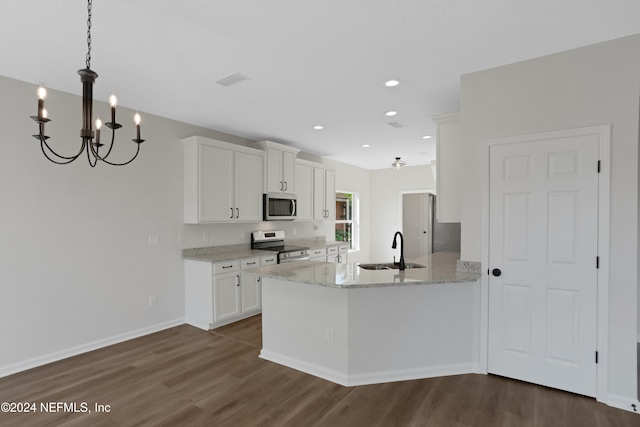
[[347, 221]]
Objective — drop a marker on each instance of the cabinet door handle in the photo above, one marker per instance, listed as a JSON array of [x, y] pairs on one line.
[[227, 266], [231, 217], [285, 186], [281, 186], [238, 281], [237, 212]]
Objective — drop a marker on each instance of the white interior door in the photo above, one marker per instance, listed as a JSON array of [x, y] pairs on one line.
[[416, 224], [543, 201]]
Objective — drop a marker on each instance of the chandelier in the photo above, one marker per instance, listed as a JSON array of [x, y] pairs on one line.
[[90, 140], [398, 163]]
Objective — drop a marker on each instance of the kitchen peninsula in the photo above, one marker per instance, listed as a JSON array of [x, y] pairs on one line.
[[354, 326]]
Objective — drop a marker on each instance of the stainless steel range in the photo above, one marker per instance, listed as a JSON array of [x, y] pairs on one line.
[[274, 241]]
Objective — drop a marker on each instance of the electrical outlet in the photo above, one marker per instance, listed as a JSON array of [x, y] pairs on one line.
[[205, 236], [153, 300], [328, 334], [154, 239], [180, 238]]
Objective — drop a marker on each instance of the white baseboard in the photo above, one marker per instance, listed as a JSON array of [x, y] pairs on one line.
[[412, 374], [84, 348], [308, 368], [624, 403], [347, 380]]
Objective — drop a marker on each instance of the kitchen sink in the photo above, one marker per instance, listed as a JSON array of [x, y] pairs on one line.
[[389, 266]]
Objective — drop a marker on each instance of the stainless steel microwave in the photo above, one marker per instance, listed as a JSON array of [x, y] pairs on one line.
[[279, 207]]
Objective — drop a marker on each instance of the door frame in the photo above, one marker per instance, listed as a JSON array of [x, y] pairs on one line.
[[603, 132]]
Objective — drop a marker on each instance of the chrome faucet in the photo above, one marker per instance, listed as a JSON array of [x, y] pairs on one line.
[[401, 264]]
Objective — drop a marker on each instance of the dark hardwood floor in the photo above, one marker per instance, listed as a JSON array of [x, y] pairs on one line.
[[187, 377]]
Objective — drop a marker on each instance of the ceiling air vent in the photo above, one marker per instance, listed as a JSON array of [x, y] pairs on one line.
[[233, 79], [395, 124]]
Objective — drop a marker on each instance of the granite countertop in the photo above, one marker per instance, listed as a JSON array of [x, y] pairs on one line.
[[240, 251], [223, 253], [441, 267]]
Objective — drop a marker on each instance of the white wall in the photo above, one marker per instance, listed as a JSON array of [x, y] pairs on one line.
[[77, 270], [386, 207], [588, 86]]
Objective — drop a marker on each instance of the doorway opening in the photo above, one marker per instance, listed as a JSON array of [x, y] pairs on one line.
[[422, 232]]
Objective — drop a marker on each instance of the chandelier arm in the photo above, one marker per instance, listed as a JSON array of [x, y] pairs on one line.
[[95, 151], [69, 159], [95, 158], [126, 163], [44, 143]]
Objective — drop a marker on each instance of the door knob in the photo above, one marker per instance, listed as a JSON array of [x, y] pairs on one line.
[[496, 272]]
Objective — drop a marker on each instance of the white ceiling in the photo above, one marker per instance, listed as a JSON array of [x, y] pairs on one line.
[[310, 61]]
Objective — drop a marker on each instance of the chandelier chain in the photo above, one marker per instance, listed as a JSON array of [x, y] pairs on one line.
[[89, 4]]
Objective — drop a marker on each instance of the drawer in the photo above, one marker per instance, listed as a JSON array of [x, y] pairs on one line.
[[332, 250], [249, 263], [225, 267], [269, 260], [343, 249], [317, 252]]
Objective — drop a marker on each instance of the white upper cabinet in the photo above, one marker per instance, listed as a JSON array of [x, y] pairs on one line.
[[248, 186], [304, 193], [324, 194], [280, 167], [448, 202], [222, 182]]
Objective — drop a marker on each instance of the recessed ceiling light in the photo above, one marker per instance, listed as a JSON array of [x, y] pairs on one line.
[[390, 113], [392, 83], [365, 146], [318, 127], [426, 137]]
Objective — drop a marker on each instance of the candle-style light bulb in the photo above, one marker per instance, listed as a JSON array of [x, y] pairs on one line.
[[113, 101], [42, 93], [98, 126], [136, 119]]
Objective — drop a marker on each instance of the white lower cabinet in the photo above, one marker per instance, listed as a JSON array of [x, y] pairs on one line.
[[226, 296], [251, 289], [343, 252], [338, 254], [318, 255], [220, 293]]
